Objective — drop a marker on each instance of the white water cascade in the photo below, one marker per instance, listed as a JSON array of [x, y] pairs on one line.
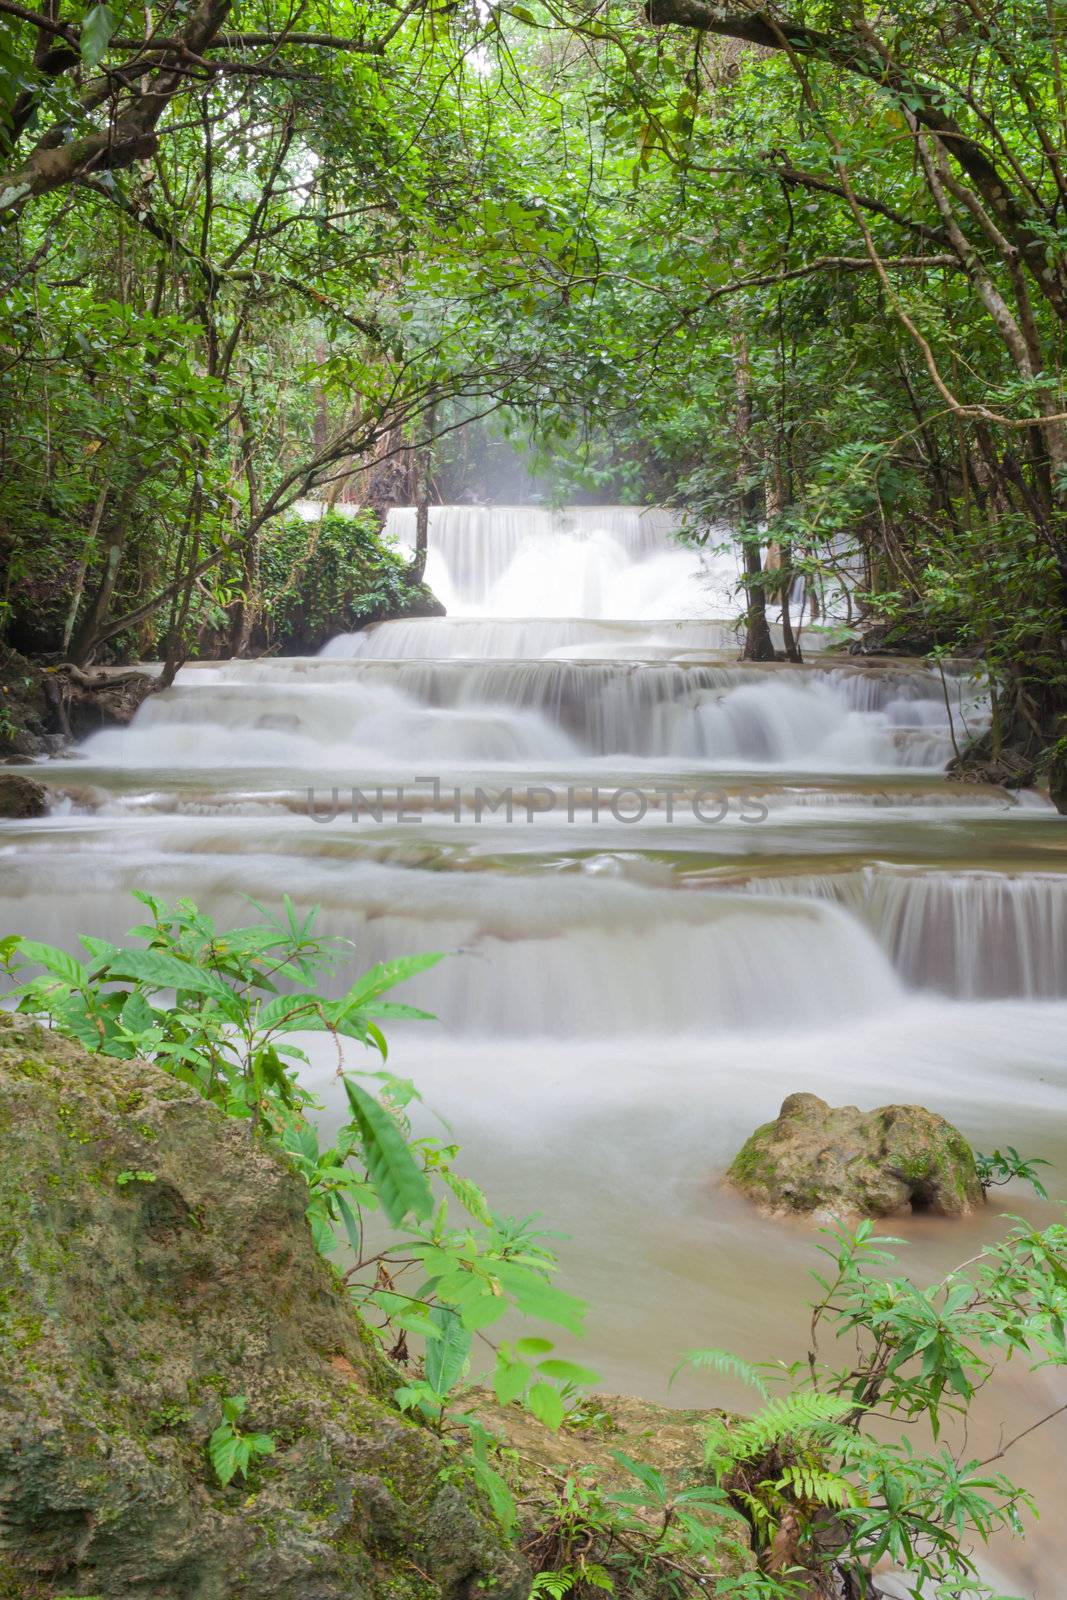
[[713, 883], [584, 561]]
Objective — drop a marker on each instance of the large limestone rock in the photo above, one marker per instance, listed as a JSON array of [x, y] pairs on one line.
[[157, 1260], [22, 797], [849, 1163]]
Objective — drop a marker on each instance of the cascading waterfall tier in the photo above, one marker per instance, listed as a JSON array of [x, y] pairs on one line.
[[535, 638], [590, 561], [379, 713], [556, 956], [975, 934]]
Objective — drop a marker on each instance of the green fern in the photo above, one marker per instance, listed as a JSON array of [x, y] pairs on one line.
[[804, 1414], [815, 1484], [726, 1362], [565, 1580]]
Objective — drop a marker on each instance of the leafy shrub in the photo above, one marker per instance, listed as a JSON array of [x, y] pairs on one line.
[[321, 578], [222, 1012]]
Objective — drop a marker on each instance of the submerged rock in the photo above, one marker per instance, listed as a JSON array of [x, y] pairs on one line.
[[157, 1262], [840, 1160], [22, 797]]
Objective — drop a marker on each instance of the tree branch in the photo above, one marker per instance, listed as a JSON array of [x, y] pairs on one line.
[[851, 52]]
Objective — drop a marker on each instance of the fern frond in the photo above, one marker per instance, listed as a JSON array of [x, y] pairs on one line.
[[726, 1362], [805, 1413], [817, 1485]]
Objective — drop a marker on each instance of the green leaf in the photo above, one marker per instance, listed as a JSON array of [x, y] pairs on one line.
[[510, 1379], [536, 1298], [161, 971], [399, 1184], [652, 1480], [224, 1453], [386, 975], [546, 1405], [533, 1345], [96, 31], [568, 1371], [137, 1015], [446, 1357], [58, 962], [496, 1490]]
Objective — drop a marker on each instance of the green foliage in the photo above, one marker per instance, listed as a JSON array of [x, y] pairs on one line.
[[222, 1011], [1003, 1165], [588, 1539], [725, 1362], [231, 1450], [812, 1461], [328, 576]]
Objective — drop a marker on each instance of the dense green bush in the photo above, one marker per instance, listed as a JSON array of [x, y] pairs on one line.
[[331, 577]]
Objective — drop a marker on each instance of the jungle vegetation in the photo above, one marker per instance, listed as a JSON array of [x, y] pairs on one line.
[[803, 265]]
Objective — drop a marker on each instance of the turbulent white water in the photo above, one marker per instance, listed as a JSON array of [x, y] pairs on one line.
[[626, 994], [586, 561], [381, 713]]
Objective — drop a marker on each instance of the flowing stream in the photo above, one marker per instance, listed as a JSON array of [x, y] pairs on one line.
[[676, 887]]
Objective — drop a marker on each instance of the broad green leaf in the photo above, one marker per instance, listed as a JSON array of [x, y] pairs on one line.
[[96, 31], [446, 1357], [56, 961], [546, 1405], [224, 1453], [137, 1015], [162, 971], [568, 1371], [510, 1379], [386, 975], [399, 1184]]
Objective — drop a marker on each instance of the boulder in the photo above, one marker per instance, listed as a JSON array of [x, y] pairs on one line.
[[158, 1260], [839, 1160], [22, 797]]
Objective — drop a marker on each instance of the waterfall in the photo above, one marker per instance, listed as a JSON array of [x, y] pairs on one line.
[[619, 1005], [589, 561], [537, 638], [565, 957], [378, 713], [978, 934]]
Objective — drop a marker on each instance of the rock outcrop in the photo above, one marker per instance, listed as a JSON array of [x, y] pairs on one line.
[[21, 797], [43, 708], [157, 1261], [846, 1162]]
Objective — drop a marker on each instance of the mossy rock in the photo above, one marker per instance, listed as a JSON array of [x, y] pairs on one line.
[[157, 1260], [851, 1163]]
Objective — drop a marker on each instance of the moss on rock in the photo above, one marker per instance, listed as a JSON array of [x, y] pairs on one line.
[[848, 1162], [129, 1308]]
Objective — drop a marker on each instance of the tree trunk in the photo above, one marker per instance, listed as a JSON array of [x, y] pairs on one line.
[[759, 645], [86, 638], [425, 489]]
